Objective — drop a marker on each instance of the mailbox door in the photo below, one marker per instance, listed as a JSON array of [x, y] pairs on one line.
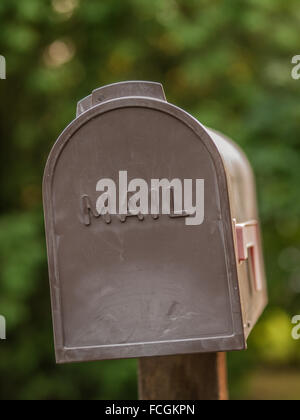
[[138, 287]]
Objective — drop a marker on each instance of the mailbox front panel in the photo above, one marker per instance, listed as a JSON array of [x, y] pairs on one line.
[[145, 285]]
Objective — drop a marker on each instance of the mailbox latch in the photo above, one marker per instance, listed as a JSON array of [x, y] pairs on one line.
[[121, 90], [248, 248]]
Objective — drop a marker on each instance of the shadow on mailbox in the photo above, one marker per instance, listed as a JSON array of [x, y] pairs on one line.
[[152, 232]]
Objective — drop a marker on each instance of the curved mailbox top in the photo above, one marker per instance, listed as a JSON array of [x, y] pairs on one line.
[[152, 234]]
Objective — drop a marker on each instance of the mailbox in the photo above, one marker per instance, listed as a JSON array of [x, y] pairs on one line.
[[152, 232]]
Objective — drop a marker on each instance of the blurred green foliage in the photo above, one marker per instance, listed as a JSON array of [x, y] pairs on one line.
[[229, 64]]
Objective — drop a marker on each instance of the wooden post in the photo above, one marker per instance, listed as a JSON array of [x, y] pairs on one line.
[[183, 377]]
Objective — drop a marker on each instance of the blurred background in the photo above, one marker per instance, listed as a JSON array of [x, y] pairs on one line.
[[226, 62]]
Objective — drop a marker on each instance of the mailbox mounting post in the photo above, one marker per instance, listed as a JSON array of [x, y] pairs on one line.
[[183, 377]]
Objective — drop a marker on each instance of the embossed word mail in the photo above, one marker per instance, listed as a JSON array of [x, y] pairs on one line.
[[137, 198]]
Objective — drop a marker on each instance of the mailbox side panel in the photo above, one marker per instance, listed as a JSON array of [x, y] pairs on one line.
[[139, 288], [242, 190]]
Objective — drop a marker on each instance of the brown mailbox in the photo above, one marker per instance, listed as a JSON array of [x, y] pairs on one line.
[[152, 232]]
